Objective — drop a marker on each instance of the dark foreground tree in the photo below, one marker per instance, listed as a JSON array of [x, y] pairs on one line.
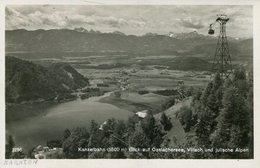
[[9, 147], [66, 134], [138, 140], [166, 122], [233, 126], [78, 138]]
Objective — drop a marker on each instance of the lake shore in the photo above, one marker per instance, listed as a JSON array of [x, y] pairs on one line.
[[38, 129]]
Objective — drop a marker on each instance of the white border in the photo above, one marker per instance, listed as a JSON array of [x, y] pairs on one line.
[[98, 163]]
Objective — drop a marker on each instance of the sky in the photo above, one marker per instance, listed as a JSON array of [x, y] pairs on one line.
[[135, 19]]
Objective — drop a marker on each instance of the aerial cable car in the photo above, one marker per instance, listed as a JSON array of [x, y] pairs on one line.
[[211, 30], [220, 18]]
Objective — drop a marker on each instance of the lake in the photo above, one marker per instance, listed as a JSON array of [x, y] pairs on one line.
[[38, 130]]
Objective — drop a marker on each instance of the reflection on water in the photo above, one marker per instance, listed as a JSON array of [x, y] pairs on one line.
[[37, 130]]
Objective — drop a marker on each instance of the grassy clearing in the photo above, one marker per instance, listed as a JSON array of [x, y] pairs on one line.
[[176, 136]]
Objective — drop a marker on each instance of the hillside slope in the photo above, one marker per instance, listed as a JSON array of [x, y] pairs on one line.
[[26, 81], [176, 135]]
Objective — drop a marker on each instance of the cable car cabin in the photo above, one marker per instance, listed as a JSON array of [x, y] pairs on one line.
[[211, 31]]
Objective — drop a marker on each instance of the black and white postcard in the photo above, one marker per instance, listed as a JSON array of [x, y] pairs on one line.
[[131, 82]]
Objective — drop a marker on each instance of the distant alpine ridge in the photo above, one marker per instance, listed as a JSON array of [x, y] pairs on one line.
[[83, 40], [26, 81]]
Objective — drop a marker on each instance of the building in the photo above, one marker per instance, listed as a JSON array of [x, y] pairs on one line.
[[44, 152], [142, 114]]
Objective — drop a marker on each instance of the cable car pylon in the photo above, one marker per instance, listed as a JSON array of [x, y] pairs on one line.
[[222, 59]]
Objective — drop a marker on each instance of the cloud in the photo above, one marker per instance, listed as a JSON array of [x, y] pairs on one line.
[[15, 20], [112, 21], [191, 23], [129, 19], [63, 19]]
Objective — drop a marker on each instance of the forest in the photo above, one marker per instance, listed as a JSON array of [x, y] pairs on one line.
[[219, 117]]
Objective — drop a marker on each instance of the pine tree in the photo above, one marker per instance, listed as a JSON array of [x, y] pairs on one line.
[[118, 136], [250, 105], [95, 135], [118, 140], [131, 122], [206, 93], [233, 126], [138, 140], [208, 110], [166, 122], [9, 147], [203, 129], [217, 82], [93, 127], [148, 125], [66, 134], [214, 101], [240, 81], [78, 138]]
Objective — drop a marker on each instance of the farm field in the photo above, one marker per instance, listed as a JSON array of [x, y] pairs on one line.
[[129, 75]]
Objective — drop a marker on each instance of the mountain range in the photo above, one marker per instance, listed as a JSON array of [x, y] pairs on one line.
[[82, 40]]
